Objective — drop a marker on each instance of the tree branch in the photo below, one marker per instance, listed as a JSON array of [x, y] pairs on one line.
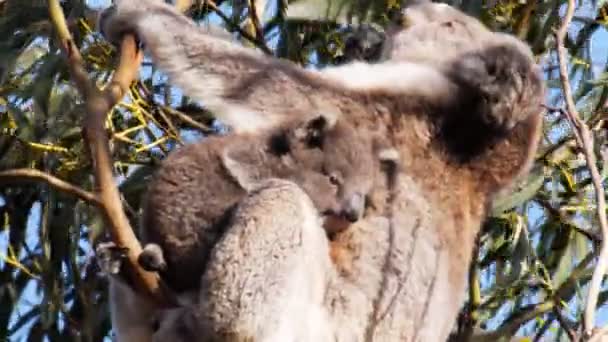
[[183, 5], [585, 141], [564, 323], [187, 119], [254, 15], [33, 175], [98, 105], [257, 41]]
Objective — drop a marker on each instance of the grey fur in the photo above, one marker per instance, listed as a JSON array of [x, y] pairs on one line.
[[189, 201], [463, 114]]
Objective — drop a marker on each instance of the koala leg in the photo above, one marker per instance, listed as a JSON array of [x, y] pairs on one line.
[[267, 277], [131, 314]]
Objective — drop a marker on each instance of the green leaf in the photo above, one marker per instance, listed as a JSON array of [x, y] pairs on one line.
[[525, 192]]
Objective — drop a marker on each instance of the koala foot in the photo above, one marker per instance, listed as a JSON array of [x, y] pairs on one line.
[[505, 78], [112, 26], [152, 258], [109, 257]]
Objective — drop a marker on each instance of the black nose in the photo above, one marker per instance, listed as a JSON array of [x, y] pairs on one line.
[[351, 215], [353, 207]]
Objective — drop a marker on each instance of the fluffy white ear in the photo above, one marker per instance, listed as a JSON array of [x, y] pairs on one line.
[[243, 173], [390, 155]]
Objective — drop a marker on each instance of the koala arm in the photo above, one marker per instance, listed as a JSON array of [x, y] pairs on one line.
[[248, 90], [235, 82], [206, 67]]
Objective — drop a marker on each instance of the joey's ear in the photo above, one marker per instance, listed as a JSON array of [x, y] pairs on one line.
[[383, 149], [390, 164], [388, 155], [312, 132], [241, 171]]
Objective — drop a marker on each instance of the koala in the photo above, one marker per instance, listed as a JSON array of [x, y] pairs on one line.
[[463, 115], [191, 196]]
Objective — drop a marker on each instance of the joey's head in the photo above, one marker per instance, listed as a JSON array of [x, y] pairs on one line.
[[350, 167], [345, 174]]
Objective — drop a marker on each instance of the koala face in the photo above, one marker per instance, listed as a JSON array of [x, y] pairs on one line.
[[350, 168], [341, 179]]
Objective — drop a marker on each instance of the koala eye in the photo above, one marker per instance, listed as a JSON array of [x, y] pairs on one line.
[[334, 179]]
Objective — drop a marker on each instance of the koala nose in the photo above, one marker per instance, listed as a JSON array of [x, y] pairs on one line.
[[354, 207]]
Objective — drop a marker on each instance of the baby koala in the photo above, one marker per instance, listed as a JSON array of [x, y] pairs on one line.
[[191, 197]]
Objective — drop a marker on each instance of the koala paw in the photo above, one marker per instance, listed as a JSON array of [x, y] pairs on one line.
[[116, 21], [109, 257], [152, 258], [505, 78]]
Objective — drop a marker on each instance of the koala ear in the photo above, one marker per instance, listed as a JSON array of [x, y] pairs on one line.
[[243, 173], [312, 132], [389, 155]]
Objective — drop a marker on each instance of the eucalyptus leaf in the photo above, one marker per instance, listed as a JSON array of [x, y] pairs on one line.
[[525, 192]]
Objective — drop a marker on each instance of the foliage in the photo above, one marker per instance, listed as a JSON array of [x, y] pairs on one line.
[[536, 253]]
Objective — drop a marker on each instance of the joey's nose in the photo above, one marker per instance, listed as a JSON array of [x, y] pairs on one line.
[[351, 215], [353, 207]]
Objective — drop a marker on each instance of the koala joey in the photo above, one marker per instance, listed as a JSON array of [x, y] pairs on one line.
[[190, 199], [135, 319]]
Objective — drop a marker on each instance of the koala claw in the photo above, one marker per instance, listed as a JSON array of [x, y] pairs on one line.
[[152, 258]]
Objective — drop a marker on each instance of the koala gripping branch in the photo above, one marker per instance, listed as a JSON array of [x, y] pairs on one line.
[[98, 105]]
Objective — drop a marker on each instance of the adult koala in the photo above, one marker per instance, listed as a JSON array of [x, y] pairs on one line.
[[464, 115]]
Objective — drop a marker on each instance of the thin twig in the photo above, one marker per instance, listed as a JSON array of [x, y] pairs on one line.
[[593, 237], [563, 112], [33, 175], [257, 41], [586, 144], [187, 119], [564, 323], [255, 19], [171, 127]]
